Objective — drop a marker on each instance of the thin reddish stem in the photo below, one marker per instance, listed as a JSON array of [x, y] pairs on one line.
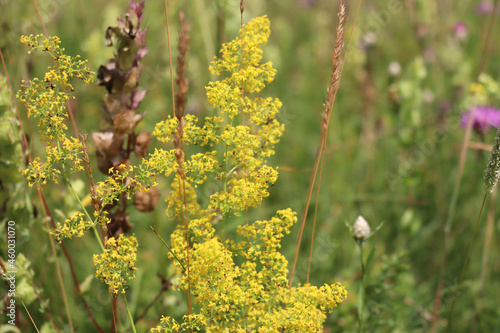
[[170, 57], [324, 130]]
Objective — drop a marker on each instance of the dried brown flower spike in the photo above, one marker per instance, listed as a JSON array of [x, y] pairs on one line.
[[120, 76]]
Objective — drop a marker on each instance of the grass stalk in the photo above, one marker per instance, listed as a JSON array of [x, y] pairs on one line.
[[168, 247], [58, 270], [338, 66], [129, 314], [488, 235], [331, 91], [455, 295], [29, 314], [178, 104]]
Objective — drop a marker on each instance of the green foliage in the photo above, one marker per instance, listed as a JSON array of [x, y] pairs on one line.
[[411, 99], [12, 196], [24, 281]]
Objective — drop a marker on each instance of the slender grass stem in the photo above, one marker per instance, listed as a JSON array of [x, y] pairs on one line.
[[465, 263], [29, 315], [129, 314], [59, 276], [168, 247]]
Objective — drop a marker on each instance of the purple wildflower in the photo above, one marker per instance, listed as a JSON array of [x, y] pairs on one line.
[[484, 8], [460, 31], [483, 118], [308, 3]]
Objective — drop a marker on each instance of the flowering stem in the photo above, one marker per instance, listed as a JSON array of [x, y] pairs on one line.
[[68, 182], [96, 234], [129, 314], [86, 213]]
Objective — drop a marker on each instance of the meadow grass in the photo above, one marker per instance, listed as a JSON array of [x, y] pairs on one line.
[[373, 130]]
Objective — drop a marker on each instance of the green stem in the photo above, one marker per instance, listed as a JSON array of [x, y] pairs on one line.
[[129, 314], [362, 291], [225, 192], [168, 247], [66, 179], [96, 234]]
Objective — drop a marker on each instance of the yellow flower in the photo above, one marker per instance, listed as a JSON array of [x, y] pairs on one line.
[[115, 266], [74, 226], [477, 88]]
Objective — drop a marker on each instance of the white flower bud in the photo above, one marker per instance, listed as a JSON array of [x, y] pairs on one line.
[[361, 229], [394, 68]]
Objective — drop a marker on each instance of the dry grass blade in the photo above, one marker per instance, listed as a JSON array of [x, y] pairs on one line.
[[327, 107], [337, 65], [181, 80], [169, 55], [179, 101]]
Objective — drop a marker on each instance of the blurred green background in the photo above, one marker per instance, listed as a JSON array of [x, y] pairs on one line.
[[392, 152]]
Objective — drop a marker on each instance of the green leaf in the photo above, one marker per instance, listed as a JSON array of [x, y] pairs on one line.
[[86, 285], [26, 291], [361, 301], [9, 329], [369, 260]]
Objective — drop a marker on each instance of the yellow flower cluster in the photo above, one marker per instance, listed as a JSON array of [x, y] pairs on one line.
[[305, 311], [192, 323], [247, 190], [247, 75], [75, 226], [101, 217], [252, 294], [67, 154], [45, 99], [120, 181], [115, 266], [242, 173], [237, 286], [182, 199], [39, 172]]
